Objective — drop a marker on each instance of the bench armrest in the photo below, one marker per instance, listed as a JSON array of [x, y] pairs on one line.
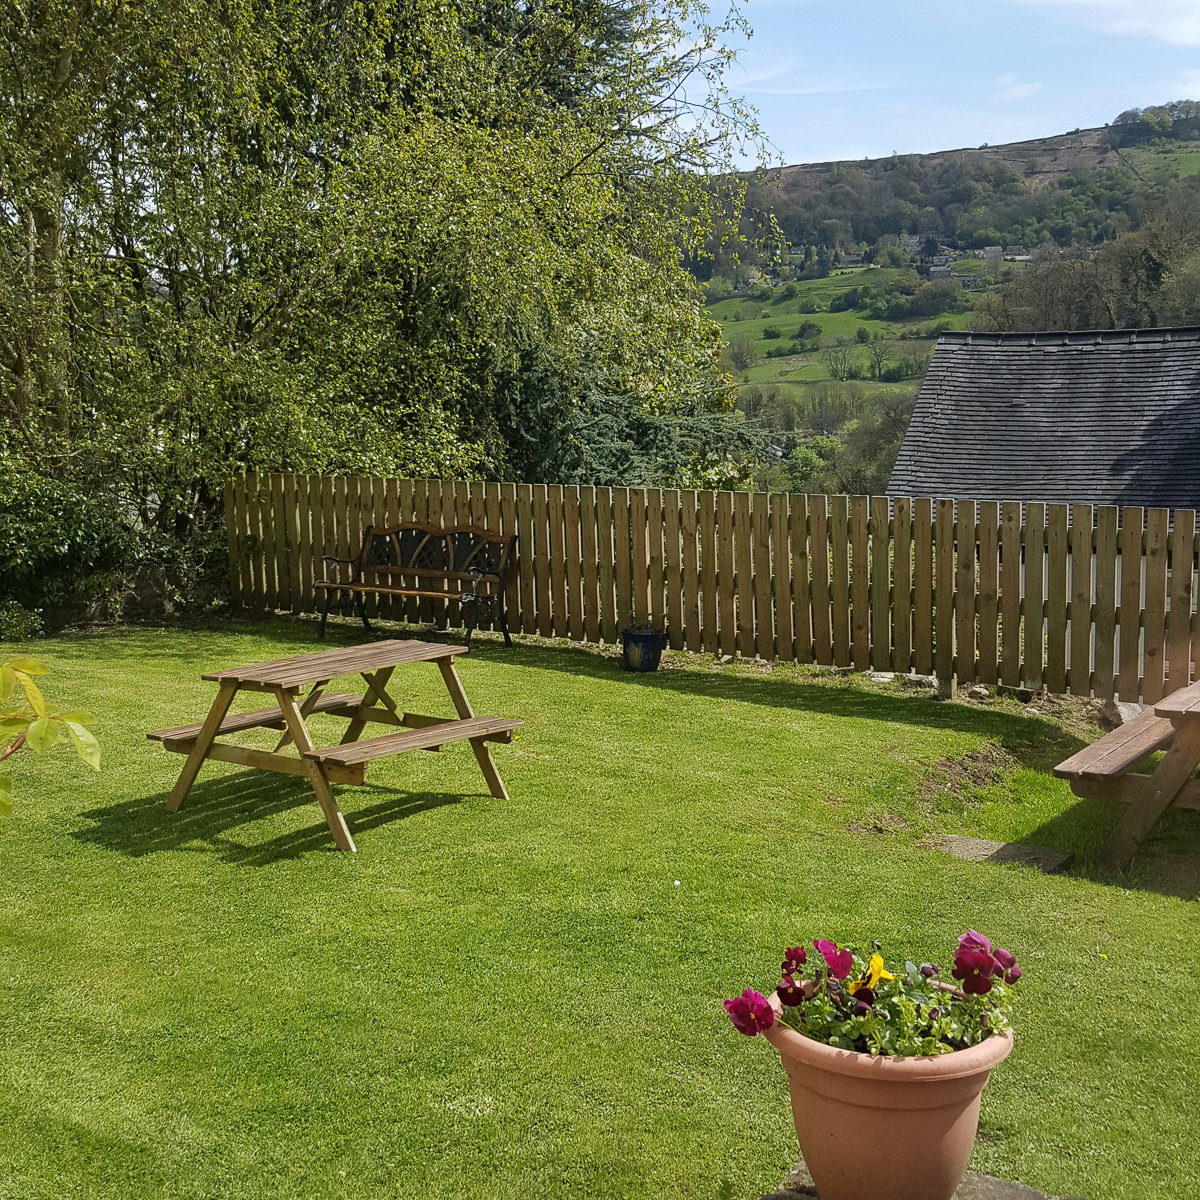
[[331, 569]]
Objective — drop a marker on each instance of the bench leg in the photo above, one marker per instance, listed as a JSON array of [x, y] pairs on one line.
[[1143, 813], [502, 617], [470, 608], [327, 594], [360, 605], [316, 776], [462, 706], [199, 750]]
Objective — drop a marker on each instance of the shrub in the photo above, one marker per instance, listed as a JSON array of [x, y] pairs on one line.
[[58, 541], [771, 332], [17, 623]]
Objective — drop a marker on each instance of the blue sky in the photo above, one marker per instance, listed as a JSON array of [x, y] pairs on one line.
[[838, 79]]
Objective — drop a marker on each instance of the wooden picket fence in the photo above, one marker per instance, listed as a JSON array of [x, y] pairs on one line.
[[1091, 601]]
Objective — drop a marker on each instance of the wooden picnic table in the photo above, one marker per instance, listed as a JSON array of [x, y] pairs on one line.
[[1103, 770], [347, 761]]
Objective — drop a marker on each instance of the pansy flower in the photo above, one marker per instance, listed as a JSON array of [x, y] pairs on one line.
[[840, 962], [750, 1013], [790, 992], [976, 969], [793, 960]]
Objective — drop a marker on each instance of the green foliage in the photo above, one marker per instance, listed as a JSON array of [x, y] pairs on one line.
[[320, 236], [28, 722], [58, 539], [17, 623]]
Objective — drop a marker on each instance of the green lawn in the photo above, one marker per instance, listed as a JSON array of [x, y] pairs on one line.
[[522, 999]]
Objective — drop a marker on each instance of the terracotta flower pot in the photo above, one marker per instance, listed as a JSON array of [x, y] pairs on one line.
[[896, 1127]]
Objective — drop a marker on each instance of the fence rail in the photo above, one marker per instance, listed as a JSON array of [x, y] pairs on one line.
[[1091, 601]]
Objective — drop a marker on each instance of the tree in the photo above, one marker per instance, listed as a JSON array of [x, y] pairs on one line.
[[879, 350], [839, 356]]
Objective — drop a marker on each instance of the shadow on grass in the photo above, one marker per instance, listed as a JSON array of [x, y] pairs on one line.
[[216, 807]]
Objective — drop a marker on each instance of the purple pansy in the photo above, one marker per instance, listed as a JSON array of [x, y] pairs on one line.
[[750, 1013], [840, 962], [975, 969], [971, 940], [793, 960], [790, 992]]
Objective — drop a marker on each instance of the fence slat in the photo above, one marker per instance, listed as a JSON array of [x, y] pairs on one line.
[[822, 601], [839, 532], [654, 556], [1034, 601], [587, 547], [1103, 654], [623, 542], [989, 591], [881, 604], [782, 582], [673, 567], [965, 600], [744, 573], [1179, 619], [1158, 524], [727, 618], [764, 621], [1130, 612], [923, 586], [860, 582], [541, 559], [607, 581], [944, 612], [233, 543], [707, 537], [902, 586], [1056, 598], [1010, 593], [691, 570], [270, 546], [1079, 544], [573, 549], [801, 564]]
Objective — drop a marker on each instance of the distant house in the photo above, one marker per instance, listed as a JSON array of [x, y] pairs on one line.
[[940, 272], [940, 260], [1090, 418]]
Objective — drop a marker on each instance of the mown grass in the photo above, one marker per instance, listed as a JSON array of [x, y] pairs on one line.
[[522, 998]]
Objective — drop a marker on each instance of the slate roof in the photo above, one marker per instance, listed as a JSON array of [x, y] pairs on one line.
[[1102, 418]]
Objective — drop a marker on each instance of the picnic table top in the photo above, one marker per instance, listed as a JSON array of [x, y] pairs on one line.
[[330, 664], [1185, 702]]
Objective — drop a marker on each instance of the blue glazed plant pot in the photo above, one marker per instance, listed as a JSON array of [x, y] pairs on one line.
[[641, 651]]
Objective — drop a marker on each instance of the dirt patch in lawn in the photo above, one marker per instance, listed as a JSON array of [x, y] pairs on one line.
[[964, 777]]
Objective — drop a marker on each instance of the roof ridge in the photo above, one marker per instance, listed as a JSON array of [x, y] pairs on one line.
[[1083, 337]]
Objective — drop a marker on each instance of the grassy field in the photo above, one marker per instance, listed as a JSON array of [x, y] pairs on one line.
[[1161, 163], [522, 998]]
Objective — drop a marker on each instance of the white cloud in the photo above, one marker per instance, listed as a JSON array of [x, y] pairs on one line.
[[1009, 87], [1173, 21]]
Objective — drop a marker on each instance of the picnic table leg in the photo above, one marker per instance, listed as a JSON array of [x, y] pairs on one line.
[[1143, 813], [376, 682], [320, 785], [305, 708], [463, 707], [199, 750]]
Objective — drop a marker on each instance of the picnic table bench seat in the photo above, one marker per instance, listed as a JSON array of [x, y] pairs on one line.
[[463, 563], [259, 718], [1116, 752], [428, 737]]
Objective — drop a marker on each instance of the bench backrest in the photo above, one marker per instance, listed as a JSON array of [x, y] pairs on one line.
[[438, 551]]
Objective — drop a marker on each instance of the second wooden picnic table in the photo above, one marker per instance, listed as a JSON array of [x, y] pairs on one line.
[[346, 762]]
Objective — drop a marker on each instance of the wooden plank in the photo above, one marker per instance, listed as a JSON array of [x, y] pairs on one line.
[[1119, 750], [944, 612], [989, 591], [244, 543], [655, 574], [764, 617], [1010, 594], [802, 617], [726, 591], [1105, 621], [965, 599], [256, 529], [1056, 598], [860, 582], [622, 506], [1130, 615], [689, 535], [1079, 546], [527, 550], [408, 510], [1158, 533], [881, 584], [1132, 789], [591, 565], [785, 643], [673, 567], [902, 585], [573, 574], [923, 586], [504, 497], [819, 559], [283, 545], [640, 549], [233, 544], [706, 549], [270, 542], [1034, 599], [839, 533], [290, 520], [434, 497], [742, 551], [1179, 620], [541, 560], [607, 580]]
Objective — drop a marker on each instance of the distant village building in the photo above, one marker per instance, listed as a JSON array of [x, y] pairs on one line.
[[1087, 418], [940, 272]]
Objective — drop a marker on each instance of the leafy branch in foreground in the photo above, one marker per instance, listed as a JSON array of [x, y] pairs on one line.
[[28, 722]]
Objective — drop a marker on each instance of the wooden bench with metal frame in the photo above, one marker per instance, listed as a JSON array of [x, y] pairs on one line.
[[463, 563]]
